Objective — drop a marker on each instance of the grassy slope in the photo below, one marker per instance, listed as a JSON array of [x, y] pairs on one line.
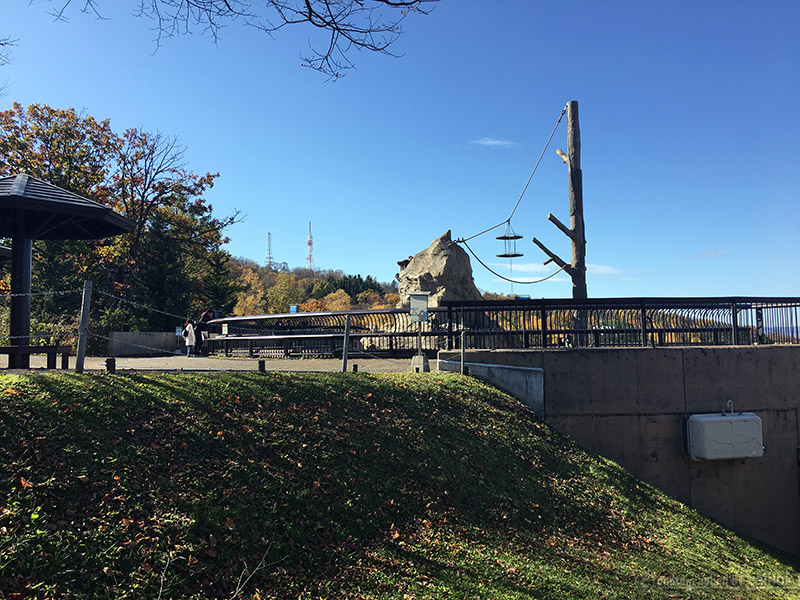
[[332, 485]]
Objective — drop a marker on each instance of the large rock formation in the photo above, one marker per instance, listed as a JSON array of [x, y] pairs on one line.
[[443, 269]]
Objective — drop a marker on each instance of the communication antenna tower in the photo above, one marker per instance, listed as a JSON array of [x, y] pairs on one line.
[[269, 250], [310, 259]]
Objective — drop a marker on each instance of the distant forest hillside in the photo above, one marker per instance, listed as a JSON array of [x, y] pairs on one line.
[[274, 289]]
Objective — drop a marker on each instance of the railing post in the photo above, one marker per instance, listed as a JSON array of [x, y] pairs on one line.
[[449, 327], [543, 323], [461, 316], [345, 343], [760, 325], [644, 324], [463, 350], [734, 324]]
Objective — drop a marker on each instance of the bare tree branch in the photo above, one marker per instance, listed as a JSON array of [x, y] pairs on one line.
[[5, 58], [372, 25], [5, 50]]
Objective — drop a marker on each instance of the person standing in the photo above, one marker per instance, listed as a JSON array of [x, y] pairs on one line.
[[189, 337], [200, 327]]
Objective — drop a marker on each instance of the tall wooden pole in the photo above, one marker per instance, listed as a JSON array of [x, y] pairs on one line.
[[576, 202], [576, 231]]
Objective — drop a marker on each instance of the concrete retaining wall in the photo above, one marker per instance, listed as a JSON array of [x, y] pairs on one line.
[[526, 384], [143, 343], [629, 405]]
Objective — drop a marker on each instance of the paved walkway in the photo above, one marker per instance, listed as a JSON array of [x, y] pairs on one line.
[[200, 363]]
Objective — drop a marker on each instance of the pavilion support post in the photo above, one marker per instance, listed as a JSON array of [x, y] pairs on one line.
[[83, 332], [20, 309]]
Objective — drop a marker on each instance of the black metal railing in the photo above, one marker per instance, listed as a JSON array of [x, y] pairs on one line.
[[509, 324], [630, 322]]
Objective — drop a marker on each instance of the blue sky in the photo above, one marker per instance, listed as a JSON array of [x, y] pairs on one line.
[[689, 128]]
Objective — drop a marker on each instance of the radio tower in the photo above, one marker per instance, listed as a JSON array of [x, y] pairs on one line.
[[269, 250], [310, 259]]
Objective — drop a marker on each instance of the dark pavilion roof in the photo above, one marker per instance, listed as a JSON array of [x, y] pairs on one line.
[[5, 253], [34, 209]]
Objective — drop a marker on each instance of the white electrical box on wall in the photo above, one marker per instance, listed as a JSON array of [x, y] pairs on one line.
[[720, 436]]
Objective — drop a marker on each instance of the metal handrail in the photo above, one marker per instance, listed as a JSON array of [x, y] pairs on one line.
[[535, 323]]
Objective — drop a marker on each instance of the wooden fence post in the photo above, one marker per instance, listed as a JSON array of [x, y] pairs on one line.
[[83, 332]]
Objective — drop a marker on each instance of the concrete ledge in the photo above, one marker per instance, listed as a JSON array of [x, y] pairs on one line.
[[526, 384]]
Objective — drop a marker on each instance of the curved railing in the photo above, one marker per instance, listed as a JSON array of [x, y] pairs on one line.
[[546, 323]]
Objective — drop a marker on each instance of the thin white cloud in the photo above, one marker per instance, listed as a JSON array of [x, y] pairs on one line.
[[494, 143], [523, 280], [602, 270], [538, 268], [712, 253]]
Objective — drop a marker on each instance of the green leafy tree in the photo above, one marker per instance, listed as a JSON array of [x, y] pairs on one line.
[[353, 284], [338, 300], [163, 264], [75, 152], [219, 285], [322, 289], [251, 297], [162, 281], [285, 293], [68, 149], [150, 183]]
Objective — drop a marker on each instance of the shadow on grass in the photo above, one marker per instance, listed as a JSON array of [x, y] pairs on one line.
[[179, 484]]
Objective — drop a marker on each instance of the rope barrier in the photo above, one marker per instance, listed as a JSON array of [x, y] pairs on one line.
[[493, 272], [61, 292], [144, 306], [135, 345], [39, 336]]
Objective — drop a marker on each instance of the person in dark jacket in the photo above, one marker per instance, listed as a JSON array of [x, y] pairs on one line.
[[200, 327]]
